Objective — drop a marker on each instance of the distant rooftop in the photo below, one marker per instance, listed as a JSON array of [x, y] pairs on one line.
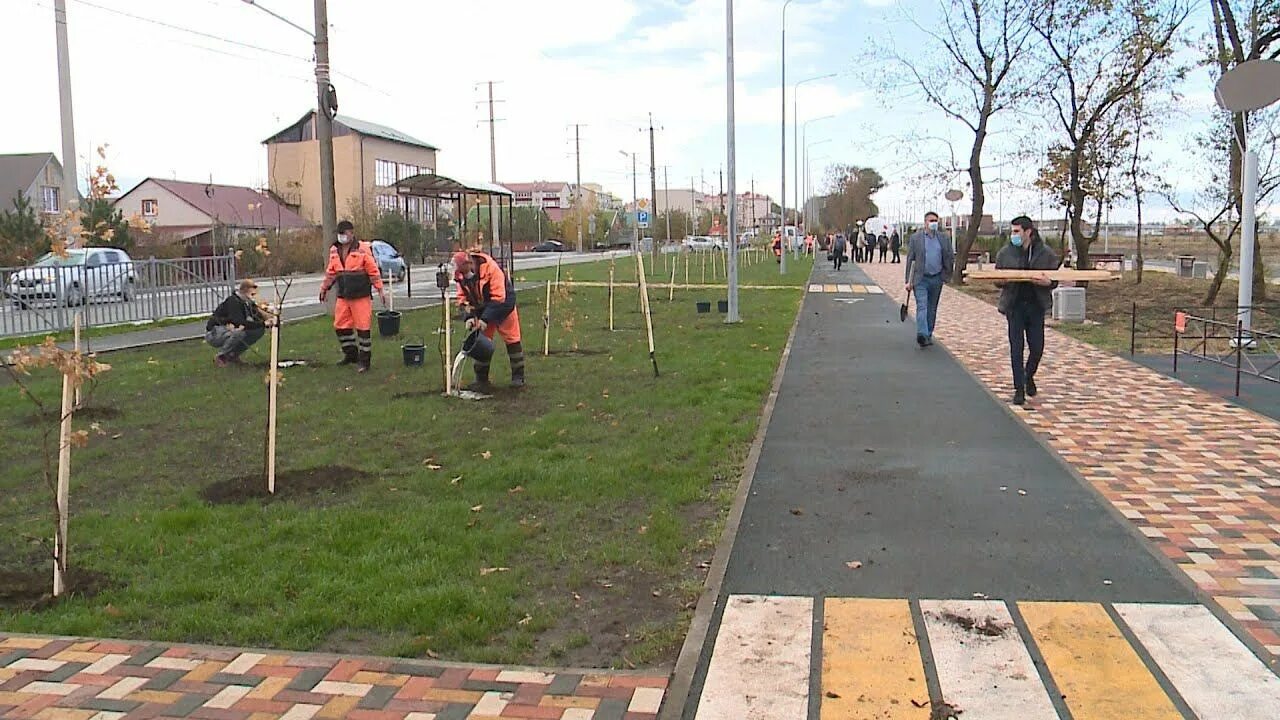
[[304, 130]]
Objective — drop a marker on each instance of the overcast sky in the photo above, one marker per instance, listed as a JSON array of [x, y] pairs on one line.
[[179, 100]]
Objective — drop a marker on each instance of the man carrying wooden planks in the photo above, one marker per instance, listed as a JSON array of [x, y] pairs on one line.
[[1024, 304]]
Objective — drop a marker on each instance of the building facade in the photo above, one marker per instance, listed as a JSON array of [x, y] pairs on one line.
[[36, 176], [553, 197], [368, 160], [204, 217]]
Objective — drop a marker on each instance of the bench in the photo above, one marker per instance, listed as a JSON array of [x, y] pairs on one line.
[[1106, 261], [978, 258]]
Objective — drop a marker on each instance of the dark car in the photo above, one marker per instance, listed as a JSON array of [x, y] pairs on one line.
[[549, 246]]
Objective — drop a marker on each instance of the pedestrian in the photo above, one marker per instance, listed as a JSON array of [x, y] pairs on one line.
[[929, 261], [838, 251], [895, 244], [1024, 304], [777, 248], [489, 299], [884, 247], [354, 270], [236, 324]]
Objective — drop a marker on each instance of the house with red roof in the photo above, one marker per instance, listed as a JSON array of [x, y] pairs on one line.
[[206, 218]]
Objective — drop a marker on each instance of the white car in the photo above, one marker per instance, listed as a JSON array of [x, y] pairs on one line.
[[700, 243], [80, 276]]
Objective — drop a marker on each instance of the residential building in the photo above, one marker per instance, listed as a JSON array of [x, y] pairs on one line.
[[553, 197], [205, 218], [368, 160], [604, 200], [37, 176]]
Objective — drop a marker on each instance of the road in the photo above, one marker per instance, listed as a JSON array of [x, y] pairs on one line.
[[302, 290]]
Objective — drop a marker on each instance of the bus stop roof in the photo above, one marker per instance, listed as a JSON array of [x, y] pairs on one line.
[[439, 186]]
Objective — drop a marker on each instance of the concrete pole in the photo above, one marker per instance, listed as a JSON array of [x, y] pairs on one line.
[[70, 186], [782, 197], [324, 125], [577, 188], [731, 131], [1248, 236], [493, 143]]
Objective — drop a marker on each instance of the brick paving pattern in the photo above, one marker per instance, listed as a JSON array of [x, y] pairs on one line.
[[1196, 474], [69, 679]]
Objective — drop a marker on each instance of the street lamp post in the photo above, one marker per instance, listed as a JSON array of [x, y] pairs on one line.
[[804, 135], [730, 130], [795, 125], [803, 200], [782, 199], [326, 108]]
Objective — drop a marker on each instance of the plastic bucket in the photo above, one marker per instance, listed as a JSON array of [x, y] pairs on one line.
[[388, 323], [415, 354], [722, 306], [478, 347], [704, 307]]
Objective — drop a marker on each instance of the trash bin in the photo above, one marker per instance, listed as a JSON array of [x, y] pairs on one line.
[[704, 306], [1186, 266]]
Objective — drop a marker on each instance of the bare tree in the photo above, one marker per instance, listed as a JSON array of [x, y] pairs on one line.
[[972, 66], [1091, 69]]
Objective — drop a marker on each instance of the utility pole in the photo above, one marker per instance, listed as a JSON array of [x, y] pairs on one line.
[[327, 107], [70, 187], [666, 195], [635, 201], [577, 188], [722, 191], [493, 145], [653, 174], [753, 201], [732, 316], [782, 197]]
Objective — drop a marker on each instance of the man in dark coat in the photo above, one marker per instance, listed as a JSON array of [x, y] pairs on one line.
[[1024, 304]]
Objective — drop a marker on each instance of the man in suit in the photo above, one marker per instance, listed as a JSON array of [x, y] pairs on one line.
[[930, 259]]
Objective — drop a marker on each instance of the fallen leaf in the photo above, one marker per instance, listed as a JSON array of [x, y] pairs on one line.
[[477, 508], [515, 490], [797, 511], [492, 570], [833, 696], [432, 655], [853, 564], [980, 596], [486, 454], [918, 703], [456, 480], [484, 429], [112, 610], [643, 529], [433, 466], [1106, 582], [117, 436], [525, 620], [657, 593], [577, 597], [606, 585]]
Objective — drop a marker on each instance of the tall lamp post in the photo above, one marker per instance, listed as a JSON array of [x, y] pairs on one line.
[[1247, 87], [795, 125], [802, 201], [731, 150], [782, 199], [326, 110], [804, 134]]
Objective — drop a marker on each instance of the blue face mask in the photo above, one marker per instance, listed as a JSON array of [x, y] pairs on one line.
[[1016, 240]]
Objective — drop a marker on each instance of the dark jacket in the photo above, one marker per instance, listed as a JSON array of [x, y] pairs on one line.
[[895, 242], [235, 310], [1037, 257]]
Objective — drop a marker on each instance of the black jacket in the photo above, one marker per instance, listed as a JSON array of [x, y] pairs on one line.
[[1039, 257], [235, 310]]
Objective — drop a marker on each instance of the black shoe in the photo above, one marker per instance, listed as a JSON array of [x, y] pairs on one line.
[[517, 382], [1031, 387], [921, 340], [928, 342], [347, 360], [1018, 397], [483, 388]]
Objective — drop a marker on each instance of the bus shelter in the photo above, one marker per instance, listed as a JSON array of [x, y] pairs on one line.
[[465, 196]]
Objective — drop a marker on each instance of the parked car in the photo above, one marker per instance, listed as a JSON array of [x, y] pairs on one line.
[[390, 264], [549, 246], [700, 243], [76, 278]]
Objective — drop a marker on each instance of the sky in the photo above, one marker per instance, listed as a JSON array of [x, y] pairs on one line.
[[188, 89]]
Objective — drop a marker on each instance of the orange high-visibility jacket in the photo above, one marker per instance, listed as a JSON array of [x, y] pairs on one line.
[[356, 276], [490, 293]]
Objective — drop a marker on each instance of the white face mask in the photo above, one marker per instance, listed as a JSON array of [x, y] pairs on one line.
[[933, 226], [343, 239]]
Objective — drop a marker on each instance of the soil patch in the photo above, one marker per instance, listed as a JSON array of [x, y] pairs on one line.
[[31, 589], [92, 413], [986, 627], [410, 394], [289, 485], [577, 353]]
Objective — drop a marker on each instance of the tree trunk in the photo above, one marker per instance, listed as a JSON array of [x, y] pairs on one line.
[[1259, 271], [1224, 267], [979, 196], [1138, 259], [1075, 212]]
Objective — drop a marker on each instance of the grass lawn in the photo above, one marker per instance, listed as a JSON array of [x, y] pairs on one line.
[[752, 271], [1109, 310], [94, 332], [599, 488]]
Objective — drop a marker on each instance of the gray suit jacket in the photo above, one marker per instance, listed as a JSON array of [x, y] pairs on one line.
[[915, 258]]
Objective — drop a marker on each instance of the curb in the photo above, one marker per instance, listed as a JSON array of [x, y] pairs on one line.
[[677, 696]]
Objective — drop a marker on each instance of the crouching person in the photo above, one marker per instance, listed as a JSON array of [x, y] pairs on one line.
[[489, 299], [236, 324]]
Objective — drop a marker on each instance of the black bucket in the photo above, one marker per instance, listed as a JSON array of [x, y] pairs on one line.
[[388, 323], [704, 307], [415, 354], [722, 306], [478, 347]]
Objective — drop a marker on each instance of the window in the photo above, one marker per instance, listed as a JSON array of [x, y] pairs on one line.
[[407, 171], [51, 196], [149, 208], [411, 208], [387, 203], [384, 172]]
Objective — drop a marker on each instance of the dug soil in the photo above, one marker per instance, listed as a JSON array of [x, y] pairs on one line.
[[289, 485], [32, 589]]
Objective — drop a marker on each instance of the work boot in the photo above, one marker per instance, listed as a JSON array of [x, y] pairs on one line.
[[1019, 397], [363, 360], [348, 356], [220, 361], [1031, 386], [481, 384], [517, 381], [515, 352], [922, 340]]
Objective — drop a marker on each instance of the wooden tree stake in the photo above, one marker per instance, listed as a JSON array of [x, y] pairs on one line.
[[64, 487], [648, 314], [610, 296], [546, 325], [273, 385]]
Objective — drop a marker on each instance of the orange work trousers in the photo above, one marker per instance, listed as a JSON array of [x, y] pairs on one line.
[[353, 314], [508, 328]]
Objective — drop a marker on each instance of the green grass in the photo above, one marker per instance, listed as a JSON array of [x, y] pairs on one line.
[[94, 332], [751, 272], [624, 480]]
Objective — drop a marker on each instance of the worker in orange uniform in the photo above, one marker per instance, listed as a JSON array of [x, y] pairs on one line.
[[777, 247], [489, 298], [354, 270]]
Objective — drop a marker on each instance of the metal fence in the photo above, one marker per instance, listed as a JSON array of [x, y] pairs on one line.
[[1151, 327], [1255, 352], [46, 299]]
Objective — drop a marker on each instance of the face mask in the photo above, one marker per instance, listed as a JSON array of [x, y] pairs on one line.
[[471, 275], [344, 239], [933, 226], [1016, 240]]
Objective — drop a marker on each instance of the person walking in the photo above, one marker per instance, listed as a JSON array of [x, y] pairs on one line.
[[354, 270], [1024, 304], [895, 244], [884, 247], [838, 251], [929, 262]]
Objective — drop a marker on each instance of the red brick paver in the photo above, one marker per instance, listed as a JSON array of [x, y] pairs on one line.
[[1197, 475], [50, 677]]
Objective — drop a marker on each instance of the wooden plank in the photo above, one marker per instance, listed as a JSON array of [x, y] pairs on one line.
[[1066, 275]]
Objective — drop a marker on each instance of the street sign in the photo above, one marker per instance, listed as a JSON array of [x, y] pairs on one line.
[[642, 218], [643, 204], [954, 195]]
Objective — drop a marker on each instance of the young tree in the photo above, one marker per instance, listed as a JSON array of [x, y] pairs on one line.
[[1091, 69], [22, 238], [971, 64]]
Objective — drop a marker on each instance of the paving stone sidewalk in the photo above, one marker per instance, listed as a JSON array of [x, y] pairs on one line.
[[72, 679], [1197, 475]]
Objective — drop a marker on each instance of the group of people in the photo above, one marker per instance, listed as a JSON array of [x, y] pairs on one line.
[[930, 261], [863, 249], [485, 293]]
